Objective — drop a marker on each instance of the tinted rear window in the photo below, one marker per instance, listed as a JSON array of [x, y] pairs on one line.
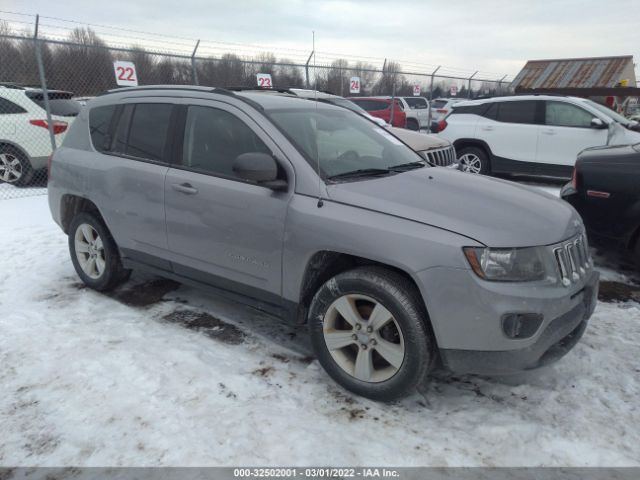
[[372, 105], [438, 103], [61, 103], [99, 123], [517, 112], [148, 131], [7, 107]]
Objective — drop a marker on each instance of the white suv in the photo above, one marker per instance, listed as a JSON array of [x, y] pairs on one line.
[[537, 135], [25, 144]]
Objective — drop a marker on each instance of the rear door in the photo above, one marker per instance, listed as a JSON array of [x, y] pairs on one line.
[[566, 132], [128, 174], [510, 128], [222, 230]]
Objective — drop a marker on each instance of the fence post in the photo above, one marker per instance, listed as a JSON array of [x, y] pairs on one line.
[[43, 84], [194, 71], [500, 85], [469, 86], [393, 98], [306, 68], [430, 117]]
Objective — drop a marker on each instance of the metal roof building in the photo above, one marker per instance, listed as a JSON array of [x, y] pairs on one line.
[[576, 73]]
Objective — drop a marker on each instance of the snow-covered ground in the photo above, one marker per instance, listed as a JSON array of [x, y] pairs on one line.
[[162, 374]]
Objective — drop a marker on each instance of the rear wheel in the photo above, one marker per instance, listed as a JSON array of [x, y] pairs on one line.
[[94, 253], [474, 160], [15, 167], [369, 332]]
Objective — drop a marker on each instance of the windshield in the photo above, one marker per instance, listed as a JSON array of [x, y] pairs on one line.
[[607, 111], [343, 102], [343, 141], [418, 103]]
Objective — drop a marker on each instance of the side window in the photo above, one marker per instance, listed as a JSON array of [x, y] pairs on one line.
[[99, 123], [562, 114], [492, 111], [148, 131], [213, 138], [119, 144], [7, 107], [517, 112]]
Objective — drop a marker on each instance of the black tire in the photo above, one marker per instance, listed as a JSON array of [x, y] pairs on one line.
[[475, 153], [412, 124], [401, 298], [113, 273], [26, 170]]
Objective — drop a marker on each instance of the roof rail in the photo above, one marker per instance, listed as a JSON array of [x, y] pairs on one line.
[[161, 87], [260, 89]]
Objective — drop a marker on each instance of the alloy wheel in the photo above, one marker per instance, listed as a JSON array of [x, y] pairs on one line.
[[470, 163], [90, 251], [363, 338], [10, 168]]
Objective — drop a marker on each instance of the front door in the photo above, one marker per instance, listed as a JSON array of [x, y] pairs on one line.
[[566, 132], [222, 230]]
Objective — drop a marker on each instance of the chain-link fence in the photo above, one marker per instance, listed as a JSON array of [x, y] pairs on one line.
[[45, 80]]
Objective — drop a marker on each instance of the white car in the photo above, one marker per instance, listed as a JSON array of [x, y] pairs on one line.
[[440, 107], [538, 135], [25, 143]]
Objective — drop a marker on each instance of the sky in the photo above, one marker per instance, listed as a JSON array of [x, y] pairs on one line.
[[495, 37]]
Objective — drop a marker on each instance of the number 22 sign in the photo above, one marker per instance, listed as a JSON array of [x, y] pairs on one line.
[[264, 80], [125, 74]]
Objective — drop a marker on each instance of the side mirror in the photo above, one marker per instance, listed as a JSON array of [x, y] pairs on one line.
[[260, 168], [597, 123]]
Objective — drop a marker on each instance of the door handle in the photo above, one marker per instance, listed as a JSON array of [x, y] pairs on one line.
[[487, 128], [185, 188], [549, 132]]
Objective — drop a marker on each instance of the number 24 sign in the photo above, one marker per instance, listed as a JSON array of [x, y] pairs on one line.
[[354, 85], [126, 75]]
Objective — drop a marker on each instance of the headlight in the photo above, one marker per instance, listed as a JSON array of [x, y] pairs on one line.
[[507, 264]]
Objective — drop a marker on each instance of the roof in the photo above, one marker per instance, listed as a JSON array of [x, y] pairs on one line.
[[574, 72]]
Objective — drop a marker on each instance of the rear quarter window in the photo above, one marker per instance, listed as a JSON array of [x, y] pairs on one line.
[[99, 127], [7, 107]]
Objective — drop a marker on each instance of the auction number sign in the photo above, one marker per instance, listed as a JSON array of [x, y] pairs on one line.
[[454, 90], [126, 75], [264, 80], [354, 85], [416, 89]]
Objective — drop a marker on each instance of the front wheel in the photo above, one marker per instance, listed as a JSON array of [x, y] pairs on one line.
[[474, 160], [369, 331], [94, 253]]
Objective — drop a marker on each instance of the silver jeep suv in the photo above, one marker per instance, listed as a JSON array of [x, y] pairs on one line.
[[310, 211]]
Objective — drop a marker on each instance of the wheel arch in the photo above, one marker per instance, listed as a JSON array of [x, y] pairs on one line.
[[9, 143], [71, 205], [461, 143], [326, 264]]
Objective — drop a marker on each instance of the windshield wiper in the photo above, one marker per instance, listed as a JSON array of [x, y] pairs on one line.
[[361, 172], [403, 167]]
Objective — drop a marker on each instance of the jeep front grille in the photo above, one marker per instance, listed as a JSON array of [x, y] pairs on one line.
[[573, 259], [441, 157]]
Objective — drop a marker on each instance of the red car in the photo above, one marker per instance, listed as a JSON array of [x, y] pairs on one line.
[[381, 108]]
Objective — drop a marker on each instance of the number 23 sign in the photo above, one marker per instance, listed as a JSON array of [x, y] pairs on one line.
[[126, 75]]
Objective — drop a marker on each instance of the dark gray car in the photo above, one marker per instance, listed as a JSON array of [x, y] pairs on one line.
[[309, 211]]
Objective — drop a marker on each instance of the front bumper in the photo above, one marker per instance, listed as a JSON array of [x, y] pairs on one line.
[[556, 339]]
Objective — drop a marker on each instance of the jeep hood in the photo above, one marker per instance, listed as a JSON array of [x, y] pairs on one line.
[[494, 212], [419, 141]]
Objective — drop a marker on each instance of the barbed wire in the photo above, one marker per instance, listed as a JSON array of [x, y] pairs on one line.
[[160, 41]]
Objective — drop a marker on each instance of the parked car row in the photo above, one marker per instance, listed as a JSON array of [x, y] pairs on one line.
[[313, 212]]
